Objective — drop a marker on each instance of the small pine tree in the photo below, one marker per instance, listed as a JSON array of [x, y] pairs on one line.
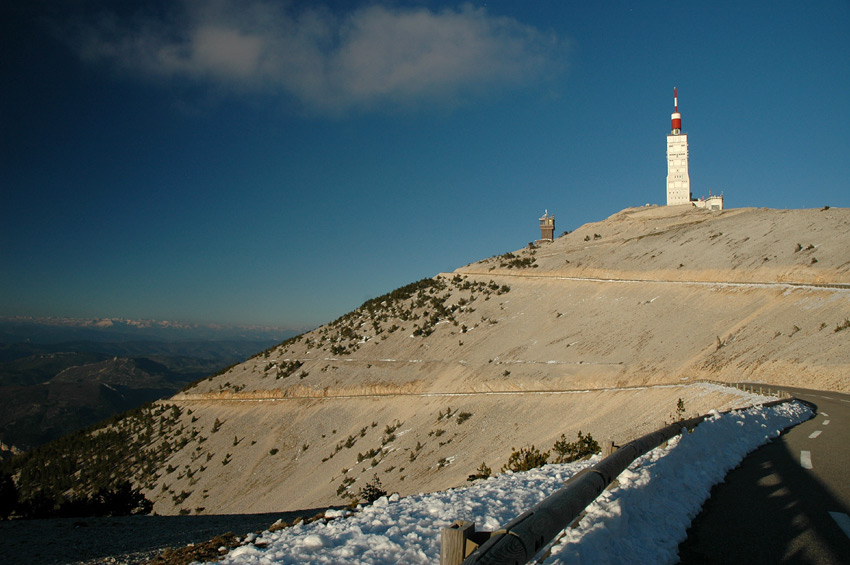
[[525, 459], [483, 472], [573, 451], [372, 491]]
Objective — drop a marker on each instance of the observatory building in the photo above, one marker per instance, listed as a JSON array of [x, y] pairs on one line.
[[678, 177], [547, 228]]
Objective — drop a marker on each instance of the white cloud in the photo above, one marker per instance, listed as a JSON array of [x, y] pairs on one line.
[[369, 57]]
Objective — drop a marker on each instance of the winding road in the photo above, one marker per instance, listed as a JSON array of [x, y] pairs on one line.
[[763, 284], [789, 501]]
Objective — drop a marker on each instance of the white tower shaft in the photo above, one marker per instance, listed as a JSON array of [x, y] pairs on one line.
[[678, 179]]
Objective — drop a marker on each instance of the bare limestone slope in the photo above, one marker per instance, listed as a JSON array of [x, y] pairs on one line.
[[602, 330]]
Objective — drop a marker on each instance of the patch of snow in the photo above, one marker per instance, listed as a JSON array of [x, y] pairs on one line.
[[645, 517]]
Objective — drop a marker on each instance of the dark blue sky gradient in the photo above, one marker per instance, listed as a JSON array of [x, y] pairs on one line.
[[187, 195]]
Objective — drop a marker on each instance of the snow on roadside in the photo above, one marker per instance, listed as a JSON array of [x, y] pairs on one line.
[[406, 530], [645, 517]]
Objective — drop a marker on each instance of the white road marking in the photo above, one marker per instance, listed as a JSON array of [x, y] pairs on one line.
[[828, 397], [826, 422], [824, 414], [806, 459], [843, 521], [814, 434]]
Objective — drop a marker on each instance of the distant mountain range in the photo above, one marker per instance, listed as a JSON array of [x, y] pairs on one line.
[[58, 375], [53, 330]]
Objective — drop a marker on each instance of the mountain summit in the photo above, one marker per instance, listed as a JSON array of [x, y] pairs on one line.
[[605, 330]]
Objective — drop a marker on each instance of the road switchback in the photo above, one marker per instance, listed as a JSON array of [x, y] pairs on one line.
[[788, 501]]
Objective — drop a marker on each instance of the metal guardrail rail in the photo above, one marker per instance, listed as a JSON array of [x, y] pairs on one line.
[[525, 536]]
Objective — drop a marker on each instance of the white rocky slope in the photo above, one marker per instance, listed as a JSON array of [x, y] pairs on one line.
[[422, 385]]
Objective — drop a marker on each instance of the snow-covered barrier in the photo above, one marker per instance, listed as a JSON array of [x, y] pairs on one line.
[[645, 516], [530, 533]]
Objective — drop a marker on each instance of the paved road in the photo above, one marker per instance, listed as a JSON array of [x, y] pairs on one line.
[[788, 502], [555, 276]]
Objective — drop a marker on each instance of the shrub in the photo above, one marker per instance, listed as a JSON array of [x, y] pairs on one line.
[[369, 454], [463, 417], [346, 482], [567, 452], [178, 498], [680, 408], [525, 459], [372, 491], [482, 472], [843, 326], [206, 551]]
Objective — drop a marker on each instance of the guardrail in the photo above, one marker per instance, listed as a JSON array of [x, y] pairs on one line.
[[526, 535], [767, 390]]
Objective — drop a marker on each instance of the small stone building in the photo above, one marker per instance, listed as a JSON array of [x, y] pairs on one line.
[[547, 227]]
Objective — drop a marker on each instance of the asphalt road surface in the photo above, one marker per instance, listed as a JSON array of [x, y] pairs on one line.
[[788, 501]]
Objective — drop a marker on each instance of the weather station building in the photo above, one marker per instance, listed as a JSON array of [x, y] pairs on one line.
[[678, 176], [547, 228]]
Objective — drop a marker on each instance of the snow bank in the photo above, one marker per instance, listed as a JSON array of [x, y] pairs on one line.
[[659, 495], [644, 517]]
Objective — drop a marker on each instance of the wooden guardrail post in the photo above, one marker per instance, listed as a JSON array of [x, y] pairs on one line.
[[453, 542], [459, 540]]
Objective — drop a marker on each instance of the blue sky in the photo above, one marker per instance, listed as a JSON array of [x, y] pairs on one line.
[[281, 162]]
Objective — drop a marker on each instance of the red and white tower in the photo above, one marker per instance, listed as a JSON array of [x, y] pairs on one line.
[[678, 180]]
